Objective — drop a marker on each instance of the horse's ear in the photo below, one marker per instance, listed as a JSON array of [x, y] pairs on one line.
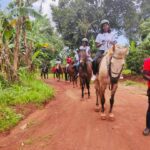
[[127, 50]]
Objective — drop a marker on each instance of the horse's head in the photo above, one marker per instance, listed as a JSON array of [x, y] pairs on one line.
[[118, 54], [120, 51]]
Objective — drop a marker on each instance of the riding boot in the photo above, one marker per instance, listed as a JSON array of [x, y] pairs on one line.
[[94, 67]]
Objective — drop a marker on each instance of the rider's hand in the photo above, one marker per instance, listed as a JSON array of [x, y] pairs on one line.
[[112, 42], [103, 42]]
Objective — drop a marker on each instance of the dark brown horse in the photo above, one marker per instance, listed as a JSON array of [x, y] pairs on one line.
[[59, 72], [85, 73], [44, 71], [72, 74]]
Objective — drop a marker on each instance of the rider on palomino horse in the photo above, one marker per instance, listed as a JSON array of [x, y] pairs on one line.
[[104, 40]]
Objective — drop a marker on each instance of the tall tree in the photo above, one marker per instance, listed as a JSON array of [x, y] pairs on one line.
[[79, 18]]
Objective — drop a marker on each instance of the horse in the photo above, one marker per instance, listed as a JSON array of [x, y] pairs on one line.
[[110, 69], [59, 71], [72, 74], [44, 71], [85, 73], [65, 73]]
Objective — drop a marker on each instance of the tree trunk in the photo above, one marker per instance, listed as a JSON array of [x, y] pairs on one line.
[[17, 46]]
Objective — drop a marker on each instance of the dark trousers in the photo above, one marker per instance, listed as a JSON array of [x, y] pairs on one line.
[[148, 110], [95, 64]]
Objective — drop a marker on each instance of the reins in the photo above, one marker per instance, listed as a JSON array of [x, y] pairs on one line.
[[114, 80]]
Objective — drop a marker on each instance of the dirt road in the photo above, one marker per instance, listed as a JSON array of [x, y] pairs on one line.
[[67, 123]]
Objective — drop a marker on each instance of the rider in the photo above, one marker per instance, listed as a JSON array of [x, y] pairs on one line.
[[68, 61], [76, 60], [104, 40], [85, 46], [58, 62]]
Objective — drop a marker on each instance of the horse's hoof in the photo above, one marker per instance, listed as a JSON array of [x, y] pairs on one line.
[[97, 109], [111, 117], [103, 116]]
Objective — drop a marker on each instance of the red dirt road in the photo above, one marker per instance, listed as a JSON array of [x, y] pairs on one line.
[[67, 123]]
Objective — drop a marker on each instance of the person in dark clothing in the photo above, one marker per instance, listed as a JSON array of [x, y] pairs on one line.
[[146, 74]]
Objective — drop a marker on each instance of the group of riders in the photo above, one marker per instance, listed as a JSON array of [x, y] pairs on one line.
[[104, 40]]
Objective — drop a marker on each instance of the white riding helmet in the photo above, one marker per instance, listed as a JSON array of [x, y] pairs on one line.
[[84, 40], [104, 21]]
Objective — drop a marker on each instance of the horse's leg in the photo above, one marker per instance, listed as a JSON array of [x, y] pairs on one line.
[[113, 91], [97, 94], [82, 87], [73, 82], [97, 108], [88, 87], [103, 102], [102, 97]]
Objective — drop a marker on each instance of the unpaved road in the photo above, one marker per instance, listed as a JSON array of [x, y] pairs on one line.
[[67, 123]]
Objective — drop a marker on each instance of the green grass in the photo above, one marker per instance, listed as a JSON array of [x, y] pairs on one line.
[[8, 118], [130, 83], [28, 90], [126, 72]]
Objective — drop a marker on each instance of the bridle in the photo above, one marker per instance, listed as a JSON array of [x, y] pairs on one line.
[[114, 79]]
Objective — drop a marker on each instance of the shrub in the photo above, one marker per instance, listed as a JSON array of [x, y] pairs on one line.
[[135, 60]]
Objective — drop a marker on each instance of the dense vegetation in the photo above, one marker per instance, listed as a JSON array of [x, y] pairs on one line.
[[26, 41], [76, 19]]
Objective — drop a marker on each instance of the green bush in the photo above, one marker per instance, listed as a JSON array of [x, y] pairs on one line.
[[135, 60], [28, 90], [3, 82], [8, 118]]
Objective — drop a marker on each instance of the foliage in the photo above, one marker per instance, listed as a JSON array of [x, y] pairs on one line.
[[8, 118], [145, 34], [28, 90], [135, 60], [80, 18]]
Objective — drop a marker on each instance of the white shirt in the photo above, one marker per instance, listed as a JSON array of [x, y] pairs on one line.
[[76, 57], [105, 39], [87, 49]]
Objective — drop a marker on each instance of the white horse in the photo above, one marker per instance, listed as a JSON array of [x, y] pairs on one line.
[[110, 69]]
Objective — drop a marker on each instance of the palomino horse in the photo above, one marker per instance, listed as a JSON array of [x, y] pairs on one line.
[[85, 73], [59, 71], [110, 69], [72, 74]]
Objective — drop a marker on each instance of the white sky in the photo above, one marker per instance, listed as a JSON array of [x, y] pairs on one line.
[[46, 9]]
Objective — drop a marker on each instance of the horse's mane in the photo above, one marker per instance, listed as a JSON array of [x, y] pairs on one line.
[[117, 50]]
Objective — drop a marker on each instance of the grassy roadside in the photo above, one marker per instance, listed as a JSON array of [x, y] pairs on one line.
[[28, 91]]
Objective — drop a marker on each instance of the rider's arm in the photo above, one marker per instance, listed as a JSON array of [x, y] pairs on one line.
[[146, 77], [99, 41], [98, 45]]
